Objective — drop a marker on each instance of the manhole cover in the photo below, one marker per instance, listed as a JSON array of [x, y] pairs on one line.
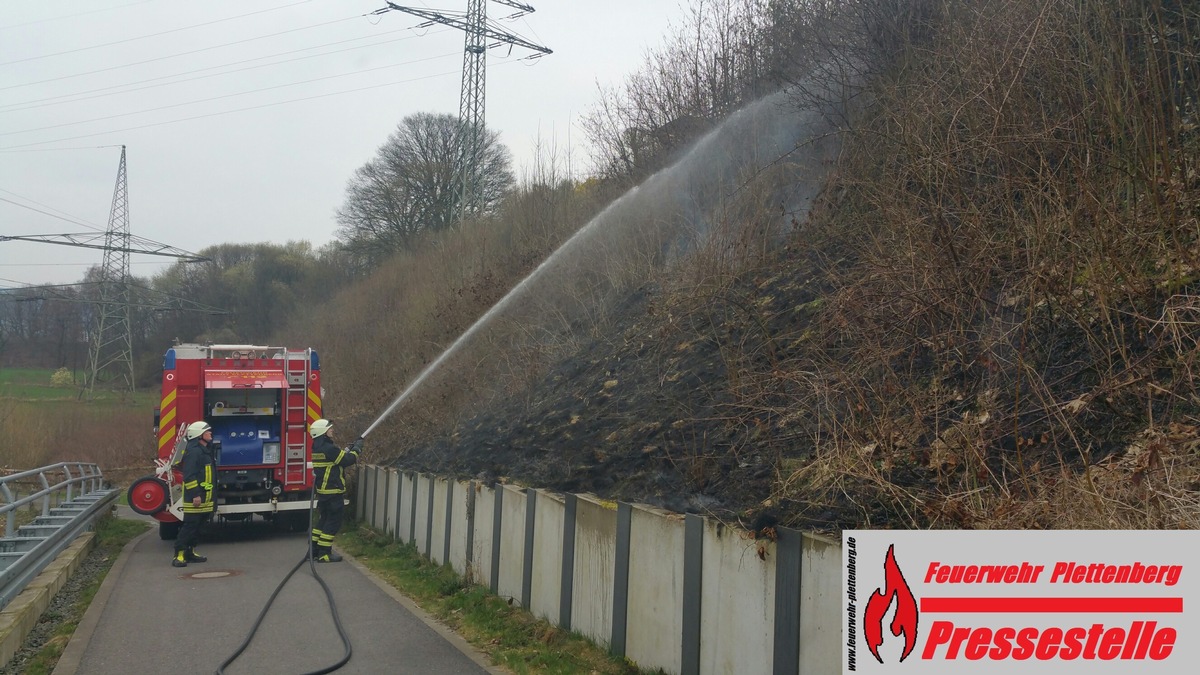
[[215, 574]]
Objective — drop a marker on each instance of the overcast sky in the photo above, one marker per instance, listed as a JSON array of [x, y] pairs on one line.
[[244, 119]]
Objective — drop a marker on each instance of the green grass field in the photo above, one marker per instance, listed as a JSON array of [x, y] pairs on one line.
[[34, 384]]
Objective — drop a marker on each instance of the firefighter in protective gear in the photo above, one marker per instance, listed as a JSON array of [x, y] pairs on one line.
[[199, 468], [329, 480]]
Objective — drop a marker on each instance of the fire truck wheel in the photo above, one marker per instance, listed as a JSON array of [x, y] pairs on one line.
[[148, 495], [168, 531]]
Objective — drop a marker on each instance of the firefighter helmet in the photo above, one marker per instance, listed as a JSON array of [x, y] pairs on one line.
[[320, 427], [197, 429]]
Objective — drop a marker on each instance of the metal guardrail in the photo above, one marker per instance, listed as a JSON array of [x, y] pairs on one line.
[[69, 505]]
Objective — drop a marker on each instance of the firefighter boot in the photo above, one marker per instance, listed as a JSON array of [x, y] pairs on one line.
[[178, 560], [326, 555], [190, 555]]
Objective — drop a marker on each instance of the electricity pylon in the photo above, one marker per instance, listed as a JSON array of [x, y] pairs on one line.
[[111, 341], [472, 98]]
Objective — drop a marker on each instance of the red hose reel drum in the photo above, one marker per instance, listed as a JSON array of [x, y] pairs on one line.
[[148, 495]]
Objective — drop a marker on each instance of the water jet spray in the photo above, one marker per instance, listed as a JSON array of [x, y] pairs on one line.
[[648, 216]]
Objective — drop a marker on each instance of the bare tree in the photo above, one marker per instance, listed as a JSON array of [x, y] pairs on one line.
[[411, 186], [724, 55]]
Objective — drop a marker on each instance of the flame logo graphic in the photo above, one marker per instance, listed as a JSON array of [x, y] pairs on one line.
[[903, 621]]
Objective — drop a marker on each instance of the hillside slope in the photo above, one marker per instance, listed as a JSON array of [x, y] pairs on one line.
[[988, 320]]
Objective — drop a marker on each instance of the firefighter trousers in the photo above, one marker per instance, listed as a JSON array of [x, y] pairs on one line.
[[330, 509], [190, 531]]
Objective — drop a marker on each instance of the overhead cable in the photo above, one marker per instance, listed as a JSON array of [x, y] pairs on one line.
[[143, 37], [80, 96], [78, 220], [173, 56], [47, 213], [19, 148], [73, 15], [225, 96]]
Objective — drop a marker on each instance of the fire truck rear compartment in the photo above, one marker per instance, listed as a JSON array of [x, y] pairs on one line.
[[247, 424]]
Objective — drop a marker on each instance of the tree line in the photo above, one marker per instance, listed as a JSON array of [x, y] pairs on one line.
[[243, 295]]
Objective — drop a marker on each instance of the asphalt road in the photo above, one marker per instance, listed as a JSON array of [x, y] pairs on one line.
[[150, 617]]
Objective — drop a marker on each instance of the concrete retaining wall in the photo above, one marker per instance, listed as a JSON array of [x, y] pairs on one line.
[[684, 594], [21, 614]]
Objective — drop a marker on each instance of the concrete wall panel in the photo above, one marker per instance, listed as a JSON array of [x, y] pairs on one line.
[[437, 552], [738, 604], [380, 494], [595, 553], [547, 555], [406, 488], [512, 543], [655, 618], [393, 498], [366, 476], [458, 527], [422, 537], [820, 640], [481, 556], [360, 494]]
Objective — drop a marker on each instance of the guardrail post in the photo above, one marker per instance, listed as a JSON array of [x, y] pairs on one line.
[[70, 485], [45, 497], [11, 518]]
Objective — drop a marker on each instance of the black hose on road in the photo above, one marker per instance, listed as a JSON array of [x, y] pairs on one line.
[[337, 621]]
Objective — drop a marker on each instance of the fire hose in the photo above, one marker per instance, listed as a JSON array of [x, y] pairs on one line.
[[328, 596]]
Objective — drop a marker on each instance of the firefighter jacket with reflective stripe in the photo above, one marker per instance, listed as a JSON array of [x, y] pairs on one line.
[[199, 468], [329, 465]]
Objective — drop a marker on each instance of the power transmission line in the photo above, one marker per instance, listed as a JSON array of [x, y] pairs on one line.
[[82, 95], [22, 148], [166, 302], [74, 15], [177, 55], [143, 37], [225, 96], [72, 219]]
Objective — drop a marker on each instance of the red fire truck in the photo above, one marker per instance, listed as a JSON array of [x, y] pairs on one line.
[[260, 402]]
